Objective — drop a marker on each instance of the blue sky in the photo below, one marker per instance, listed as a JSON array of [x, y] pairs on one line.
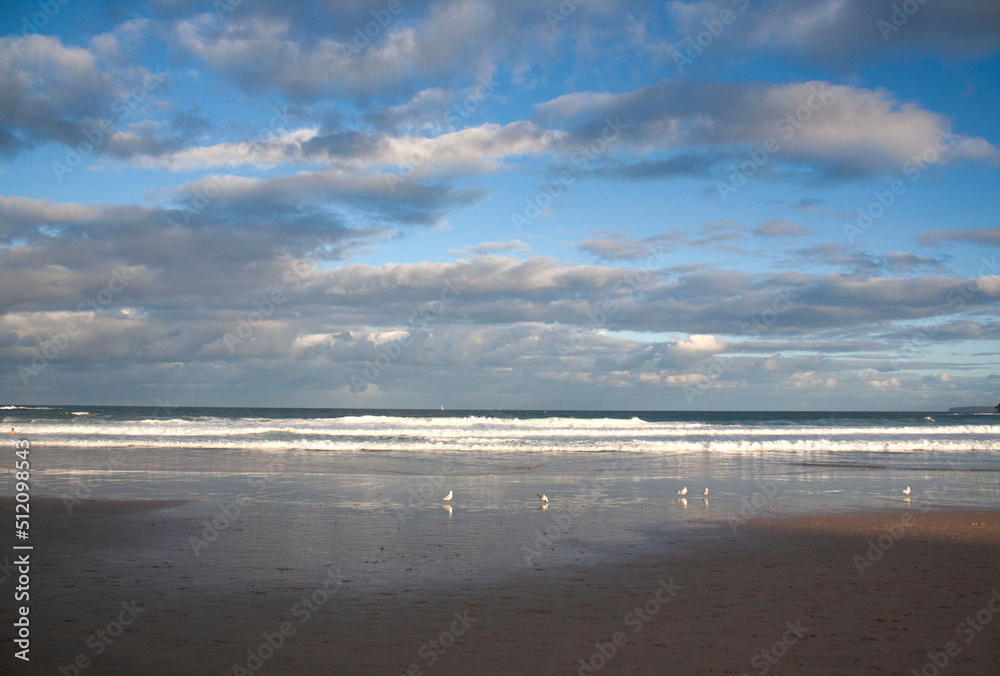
[[716, 204]]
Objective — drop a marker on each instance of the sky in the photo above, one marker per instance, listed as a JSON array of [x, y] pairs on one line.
[[501, 204]]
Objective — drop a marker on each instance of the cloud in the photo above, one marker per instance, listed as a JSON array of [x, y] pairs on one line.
[[22, 218], [694, 347], [78, 96], [809, 380], [686, 379], [475, 150], [278, 150], [49, 91], [489, 248], [982, 236], [872, 380], [863, 264], [670, 129], [681, 165], [944, 331], [987, 284], [59, 255], [312, 51], [835, 130], [309, 197], [839, 33], [174, 262], [182, 298], [771, 364], [810, 205], [615, 246], [782, 228], [426, 111], [264, 52]]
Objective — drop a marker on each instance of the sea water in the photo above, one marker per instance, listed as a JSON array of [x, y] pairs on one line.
[[552, 448]]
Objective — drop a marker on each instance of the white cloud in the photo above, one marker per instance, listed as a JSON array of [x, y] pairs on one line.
[[474, 150], [772, 364], [809, 380], [846, 128], [284, 148], [988, 284], [782, 228], [695, 347], [28, 211], [872, 380], [265, 52], [687, 379], [488, 248]]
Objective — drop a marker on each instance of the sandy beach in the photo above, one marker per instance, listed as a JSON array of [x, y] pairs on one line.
[[115, 590]]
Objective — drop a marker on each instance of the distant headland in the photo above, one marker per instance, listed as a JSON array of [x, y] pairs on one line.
[[973, 409]]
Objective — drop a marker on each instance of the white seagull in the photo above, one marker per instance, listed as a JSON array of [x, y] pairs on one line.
[[907, 491], [448, 497], [683, 491], [545, 499], [706, 492]]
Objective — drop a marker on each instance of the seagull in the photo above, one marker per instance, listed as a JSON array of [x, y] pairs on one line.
[[706, 492], [683, 491], [907, 491], [448, 497], [545, 499]]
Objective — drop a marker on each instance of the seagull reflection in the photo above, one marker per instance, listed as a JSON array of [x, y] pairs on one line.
[[683, 501], [447, 508]]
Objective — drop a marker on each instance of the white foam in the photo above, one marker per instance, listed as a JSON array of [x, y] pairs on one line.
[[390, 433]]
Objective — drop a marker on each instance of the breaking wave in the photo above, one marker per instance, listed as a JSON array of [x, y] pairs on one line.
[[496, 434]]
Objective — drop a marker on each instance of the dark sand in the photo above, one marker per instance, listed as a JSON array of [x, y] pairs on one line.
[[790, 586]]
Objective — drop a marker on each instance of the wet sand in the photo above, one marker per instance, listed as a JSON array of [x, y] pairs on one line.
[[116, 586]]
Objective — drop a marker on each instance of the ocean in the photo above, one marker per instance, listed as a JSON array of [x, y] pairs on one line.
[[479, 431], [564, 448]]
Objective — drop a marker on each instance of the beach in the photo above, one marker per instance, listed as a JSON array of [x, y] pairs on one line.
[[861, 593], [317, 542]]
